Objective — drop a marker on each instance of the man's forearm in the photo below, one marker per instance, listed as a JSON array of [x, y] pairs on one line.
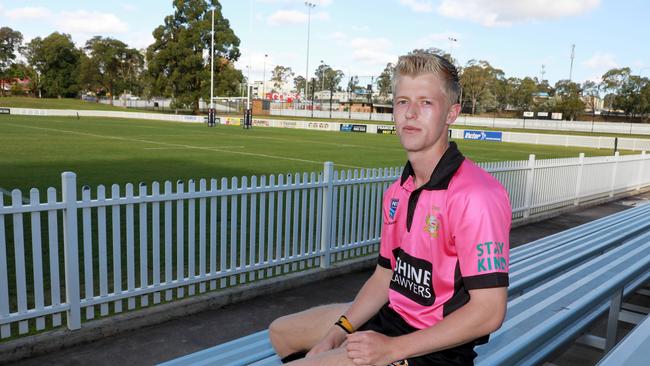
[[372, 296]]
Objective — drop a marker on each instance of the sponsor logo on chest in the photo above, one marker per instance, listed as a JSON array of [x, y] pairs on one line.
[[412, 278]]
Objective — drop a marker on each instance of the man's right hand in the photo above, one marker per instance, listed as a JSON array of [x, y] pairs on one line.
[[333, 339]]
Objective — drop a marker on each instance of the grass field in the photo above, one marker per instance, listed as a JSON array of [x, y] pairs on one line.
[[35, 150]]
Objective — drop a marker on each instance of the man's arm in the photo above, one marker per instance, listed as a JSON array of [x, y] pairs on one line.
[[372, 296], [482, 315]]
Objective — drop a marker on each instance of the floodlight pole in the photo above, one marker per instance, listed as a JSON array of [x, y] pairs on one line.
[[309, 5], [212, 64], [250, 58]]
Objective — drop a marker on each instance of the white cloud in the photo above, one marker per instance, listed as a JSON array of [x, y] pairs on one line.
[[601, 61], [372, 51], [139, 40], [418, 6], [82, 21], [492, 13], [281, 17], [287, 17], [29, 12]]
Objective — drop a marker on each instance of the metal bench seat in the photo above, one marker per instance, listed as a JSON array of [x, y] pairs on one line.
[[533, 271], [632, 350], [601, 225], [239, 352]]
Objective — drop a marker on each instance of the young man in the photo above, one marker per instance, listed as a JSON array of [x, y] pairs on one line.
[[439, 287]]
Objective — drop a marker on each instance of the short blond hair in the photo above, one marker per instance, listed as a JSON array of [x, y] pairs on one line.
[[417, 64]]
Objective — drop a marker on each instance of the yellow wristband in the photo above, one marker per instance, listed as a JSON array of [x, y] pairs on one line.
[[344, 323]]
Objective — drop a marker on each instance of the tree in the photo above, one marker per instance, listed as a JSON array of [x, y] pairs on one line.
[[10, 44], [570, 103], [524, 96], [110, 66], [299, 84], [434, 51], [385, 81], [280, 76], [478, 78], [353, 84], [23, 71], [179, 59], [56, 60], [591, 93], [625, 91], [327, 78], [504, 91]]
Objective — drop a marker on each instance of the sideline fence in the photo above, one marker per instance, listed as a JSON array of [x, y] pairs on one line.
[[83, 253]]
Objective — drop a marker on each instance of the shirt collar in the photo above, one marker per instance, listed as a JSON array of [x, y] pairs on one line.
[[442, 173]]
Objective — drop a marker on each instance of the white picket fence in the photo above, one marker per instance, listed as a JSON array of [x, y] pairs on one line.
[[80, 259]]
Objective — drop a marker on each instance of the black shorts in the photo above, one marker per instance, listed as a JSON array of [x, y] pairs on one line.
[[390, 323]]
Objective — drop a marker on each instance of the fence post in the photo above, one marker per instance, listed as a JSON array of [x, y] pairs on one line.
[[325, 235], [71, 249], [581, 164], [640, 177], [530, 179], [611, 189]]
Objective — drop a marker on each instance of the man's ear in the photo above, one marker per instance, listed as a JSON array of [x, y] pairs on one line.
[[453, 113]]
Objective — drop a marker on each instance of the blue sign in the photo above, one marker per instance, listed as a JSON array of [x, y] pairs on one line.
[[483, 135]]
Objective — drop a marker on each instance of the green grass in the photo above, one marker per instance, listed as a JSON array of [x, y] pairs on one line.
[[64, 103], [35, 150]]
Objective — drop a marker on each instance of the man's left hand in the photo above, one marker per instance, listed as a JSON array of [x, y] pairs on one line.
[[369, 348]]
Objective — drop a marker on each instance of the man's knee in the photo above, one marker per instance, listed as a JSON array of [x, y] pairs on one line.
[[278, 331]]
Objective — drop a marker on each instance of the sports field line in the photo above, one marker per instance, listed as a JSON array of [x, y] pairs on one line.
[[185, 148], [310, 141], [182, 145]]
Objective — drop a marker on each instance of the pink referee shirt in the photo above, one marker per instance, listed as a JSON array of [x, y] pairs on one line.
[[443, 239]]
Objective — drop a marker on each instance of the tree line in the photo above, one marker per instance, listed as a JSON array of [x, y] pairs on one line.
[[486, 88], [177, 66]]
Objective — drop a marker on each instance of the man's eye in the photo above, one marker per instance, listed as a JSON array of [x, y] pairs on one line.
[[401, 102], [427, 102]]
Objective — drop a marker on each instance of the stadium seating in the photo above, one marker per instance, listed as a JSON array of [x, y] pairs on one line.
[[558, 285]]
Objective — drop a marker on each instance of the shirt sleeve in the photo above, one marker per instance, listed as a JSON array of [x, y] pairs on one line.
[[387, 242], [480, 219]]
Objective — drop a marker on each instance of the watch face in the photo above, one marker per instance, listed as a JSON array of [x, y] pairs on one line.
[[400, 363]]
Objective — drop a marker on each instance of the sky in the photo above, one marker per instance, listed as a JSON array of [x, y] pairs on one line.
[[359, 37]]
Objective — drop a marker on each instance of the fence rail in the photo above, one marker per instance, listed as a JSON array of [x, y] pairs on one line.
[[81, 253]]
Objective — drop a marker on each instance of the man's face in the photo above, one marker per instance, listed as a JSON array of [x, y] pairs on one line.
[[422, 112]]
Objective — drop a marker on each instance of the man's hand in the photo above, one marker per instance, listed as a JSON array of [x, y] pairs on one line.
[[333, 339], [370, 348]]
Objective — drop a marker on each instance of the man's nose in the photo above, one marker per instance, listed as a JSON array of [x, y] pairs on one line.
[[412, 111]]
